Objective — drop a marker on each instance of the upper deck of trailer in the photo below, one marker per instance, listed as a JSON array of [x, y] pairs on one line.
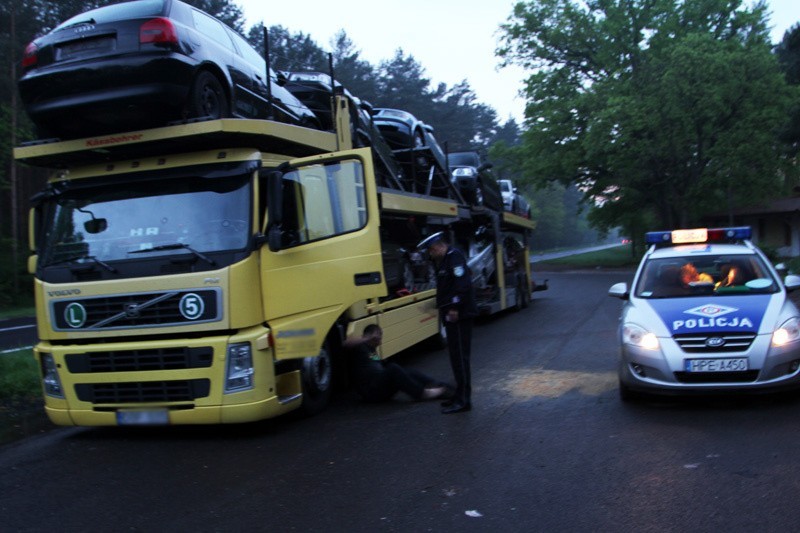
[[265, 135]]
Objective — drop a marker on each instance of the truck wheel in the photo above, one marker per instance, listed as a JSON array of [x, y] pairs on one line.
[[526, 294], [316, 375], [519, 295], [208, 98]]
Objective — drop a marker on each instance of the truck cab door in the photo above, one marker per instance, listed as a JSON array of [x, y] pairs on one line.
[[324, 254]]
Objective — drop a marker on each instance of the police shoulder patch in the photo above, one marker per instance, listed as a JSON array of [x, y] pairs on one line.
[[458, 271]]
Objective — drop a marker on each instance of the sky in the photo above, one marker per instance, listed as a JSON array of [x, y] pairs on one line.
[[453, 40]]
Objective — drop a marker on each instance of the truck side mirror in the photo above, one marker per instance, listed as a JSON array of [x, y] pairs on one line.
[[32, 229], [274, 209]]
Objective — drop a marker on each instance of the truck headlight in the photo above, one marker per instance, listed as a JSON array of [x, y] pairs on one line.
[[637, 336], [50, 380], [788, 332], [239, 370]]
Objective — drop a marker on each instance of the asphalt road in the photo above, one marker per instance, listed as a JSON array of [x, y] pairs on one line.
[[17, 333], [548, 447]]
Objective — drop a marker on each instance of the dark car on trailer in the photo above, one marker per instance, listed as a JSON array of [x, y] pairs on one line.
[[474, 180], [402, 130], [143, 64]]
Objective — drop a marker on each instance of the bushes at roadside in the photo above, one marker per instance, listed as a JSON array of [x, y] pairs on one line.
[[19, 376], [16, 285]]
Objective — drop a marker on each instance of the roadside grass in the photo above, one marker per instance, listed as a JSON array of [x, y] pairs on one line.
[[23, 310], [616, 257], [19, 376]]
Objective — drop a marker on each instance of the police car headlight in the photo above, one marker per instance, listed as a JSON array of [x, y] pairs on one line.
[[637, 336], [788, 332]]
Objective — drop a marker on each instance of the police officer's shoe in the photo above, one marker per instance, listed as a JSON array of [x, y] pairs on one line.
[[448, 403], [457, 407]]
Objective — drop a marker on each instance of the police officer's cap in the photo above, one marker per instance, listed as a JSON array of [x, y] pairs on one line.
[[430, 240]]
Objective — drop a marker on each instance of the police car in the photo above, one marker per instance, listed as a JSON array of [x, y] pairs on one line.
[[707, 312]]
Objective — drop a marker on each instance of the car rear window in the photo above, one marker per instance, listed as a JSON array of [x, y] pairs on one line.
[[124, 11]]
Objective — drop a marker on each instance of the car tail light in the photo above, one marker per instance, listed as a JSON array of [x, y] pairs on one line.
[[159, 30], [31, 56]]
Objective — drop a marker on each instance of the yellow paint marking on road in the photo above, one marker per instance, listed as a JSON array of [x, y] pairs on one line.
[[555, 383]]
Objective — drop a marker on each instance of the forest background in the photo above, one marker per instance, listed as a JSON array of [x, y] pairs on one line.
[[640, 114]]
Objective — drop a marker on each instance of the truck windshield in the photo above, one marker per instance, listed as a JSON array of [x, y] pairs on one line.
[[697, 275], [110, 223]]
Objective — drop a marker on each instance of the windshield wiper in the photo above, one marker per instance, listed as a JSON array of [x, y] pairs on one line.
[[81, 258], [175, 246]]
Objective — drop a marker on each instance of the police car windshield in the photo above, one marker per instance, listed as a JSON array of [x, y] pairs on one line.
[[698, 275]]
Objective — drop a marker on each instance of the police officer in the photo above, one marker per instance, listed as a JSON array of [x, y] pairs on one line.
[[456, 303]]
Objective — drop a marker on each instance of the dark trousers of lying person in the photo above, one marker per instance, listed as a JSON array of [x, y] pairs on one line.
[[394, 379], [378, 381]]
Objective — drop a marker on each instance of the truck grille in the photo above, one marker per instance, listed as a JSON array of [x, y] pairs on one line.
[[143, 391], [139, 360], [139, 310], [715, 343]]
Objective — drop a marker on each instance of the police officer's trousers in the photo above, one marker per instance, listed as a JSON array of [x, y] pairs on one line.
[[459, 344]]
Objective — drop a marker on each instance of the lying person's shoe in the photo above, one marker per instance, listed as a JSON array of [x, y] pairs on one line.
[[432, 393], [457, 408]]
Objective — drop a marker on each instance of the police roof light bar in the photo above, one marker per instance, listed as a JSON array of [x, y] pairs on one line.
[[698, 235]]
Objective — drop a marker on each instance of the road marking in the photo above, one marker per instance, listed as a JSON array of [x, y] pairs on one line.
[[18, 327], [12, 350]]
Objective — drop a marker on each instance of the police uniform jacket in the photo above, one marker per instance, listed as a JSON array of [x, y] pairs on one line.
[[454, 285]]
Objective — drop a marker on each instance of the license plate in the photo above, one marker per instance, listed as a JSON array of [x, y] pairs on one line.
[[737, 364], [143, 417], [76, 48]]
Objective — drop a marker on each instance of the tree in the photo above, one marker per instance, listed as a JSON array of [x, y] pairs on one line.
[[357, 75], [289, 51], [788, 54], [656, 109]]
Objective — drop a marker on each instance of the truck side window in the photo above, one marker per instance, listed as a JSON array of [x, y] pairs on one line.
[[322, 201]]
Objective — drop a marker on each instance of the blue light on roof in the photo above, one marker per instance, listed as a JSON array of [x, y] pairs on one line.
[[698, 235]]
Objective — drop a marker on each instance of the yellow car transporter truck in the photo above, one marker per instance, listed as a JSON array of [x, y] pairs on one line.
[[207, 273]]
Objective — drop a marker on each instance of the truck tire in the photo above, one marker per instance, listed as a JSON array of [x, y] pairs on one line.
[[316, 376]]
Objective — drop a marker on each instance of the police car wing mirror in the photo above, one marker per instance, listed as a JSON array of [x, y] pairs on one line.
[[619, 290], [792, 282]]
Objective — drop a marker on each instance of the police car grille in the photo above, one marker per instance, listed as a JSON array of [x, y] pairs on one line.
[[748, 376], [730, 342]]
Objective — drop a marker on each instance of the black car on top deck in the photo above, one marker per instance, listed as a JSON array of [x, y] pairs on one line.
[[475, 181], [142, 64]]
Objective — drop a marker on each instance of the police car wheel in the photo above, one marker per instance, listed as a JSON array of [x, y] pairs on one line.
[[627, 395], [316, 376]]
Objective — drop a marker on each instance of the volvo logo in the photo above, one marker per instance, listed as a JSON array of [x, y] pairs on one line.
[[132, 311], [715, 342]]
